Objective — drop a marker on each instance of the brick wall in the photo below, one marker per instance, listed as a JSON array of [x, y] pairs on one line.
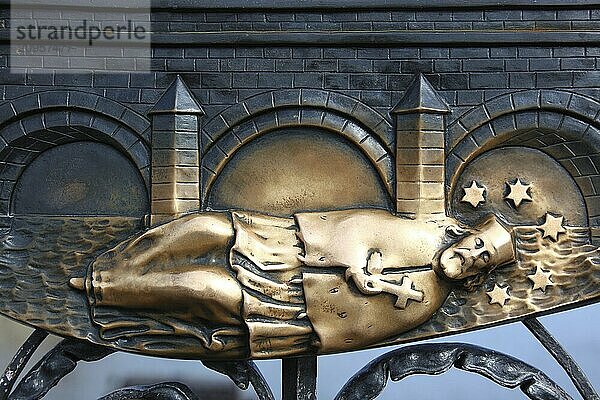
[[470, 54], [420, 20], [377, 76], [224, 75]]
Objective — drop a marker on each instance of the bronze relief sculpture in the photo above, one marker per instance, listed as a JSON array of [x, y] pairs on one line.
[[251, 284], [240, 283], [282, 180]]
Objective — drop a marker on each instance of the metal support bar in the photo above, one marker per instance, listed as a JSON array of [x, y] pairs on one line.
[[19, 361], [567, 362], [299, 378]]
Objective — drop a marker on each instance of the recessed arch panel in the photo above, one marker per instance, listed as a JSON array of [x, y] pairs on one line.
[[298, 169], [561, 124], [81, 178], [35, 123]]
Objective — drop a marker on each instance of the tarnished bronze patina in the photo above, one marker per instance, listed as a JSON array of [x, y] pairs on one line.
[[298, 250], [317, 282]]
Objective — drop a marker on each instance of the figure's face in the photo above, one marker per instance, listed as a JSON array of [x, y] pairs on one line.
[[468, 257]]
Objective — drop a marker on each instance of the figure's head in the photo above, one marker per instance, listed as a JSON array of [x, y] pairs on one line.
[[484, 248]]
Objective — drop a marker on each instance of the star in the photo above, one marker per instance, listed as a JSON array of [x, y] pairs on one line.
[[552, 227], [540, 279], [498, 295], [473, 195], [518, 192]]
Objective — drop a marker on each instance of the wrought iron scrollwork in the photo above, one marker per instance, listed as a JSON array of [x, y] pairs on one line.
[[368, 383], [565, 360], [434, 359], [161, 391], [243, 373], [19, 361], [55, 365], [63, 358]]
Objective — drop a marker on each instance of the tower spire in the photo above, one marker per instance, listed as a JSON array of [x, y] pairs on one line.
[[175, 153], [420, 161]]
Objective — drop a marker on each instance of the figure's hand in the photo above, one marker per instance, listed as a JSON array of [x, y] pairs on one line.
[[365, 278], [367, 284], [375, 263]]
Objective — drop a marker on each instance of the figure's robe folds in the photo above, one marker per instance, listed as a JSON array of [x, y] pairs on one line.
[[264, 259], [289, 297]]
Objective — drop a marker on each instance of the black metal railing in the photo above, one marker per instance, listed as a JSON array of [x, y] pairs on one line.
[[299, 375]]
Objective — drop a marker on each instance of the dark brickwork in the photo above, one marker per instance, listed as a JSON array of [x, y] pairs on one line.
[[558, 19], [225, 76], [473, 75]]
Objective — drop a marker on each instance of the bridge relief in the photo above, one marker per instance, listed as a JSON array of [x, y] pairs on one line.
[[302, 222], [561, 124], [35, 123]]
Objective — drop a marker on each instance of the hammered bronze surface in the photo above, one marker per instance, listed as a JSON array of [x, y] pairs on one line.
[[299, 248]]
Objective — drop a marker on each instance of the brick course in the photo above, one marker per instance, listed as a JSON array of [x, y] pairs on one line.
[[374, 75]]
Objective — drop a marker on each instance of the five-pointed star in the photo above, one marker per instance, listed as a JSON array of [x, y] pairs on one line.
[[552, 227], [518, 192], [541, 279], [498, 295], [473, 195]]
